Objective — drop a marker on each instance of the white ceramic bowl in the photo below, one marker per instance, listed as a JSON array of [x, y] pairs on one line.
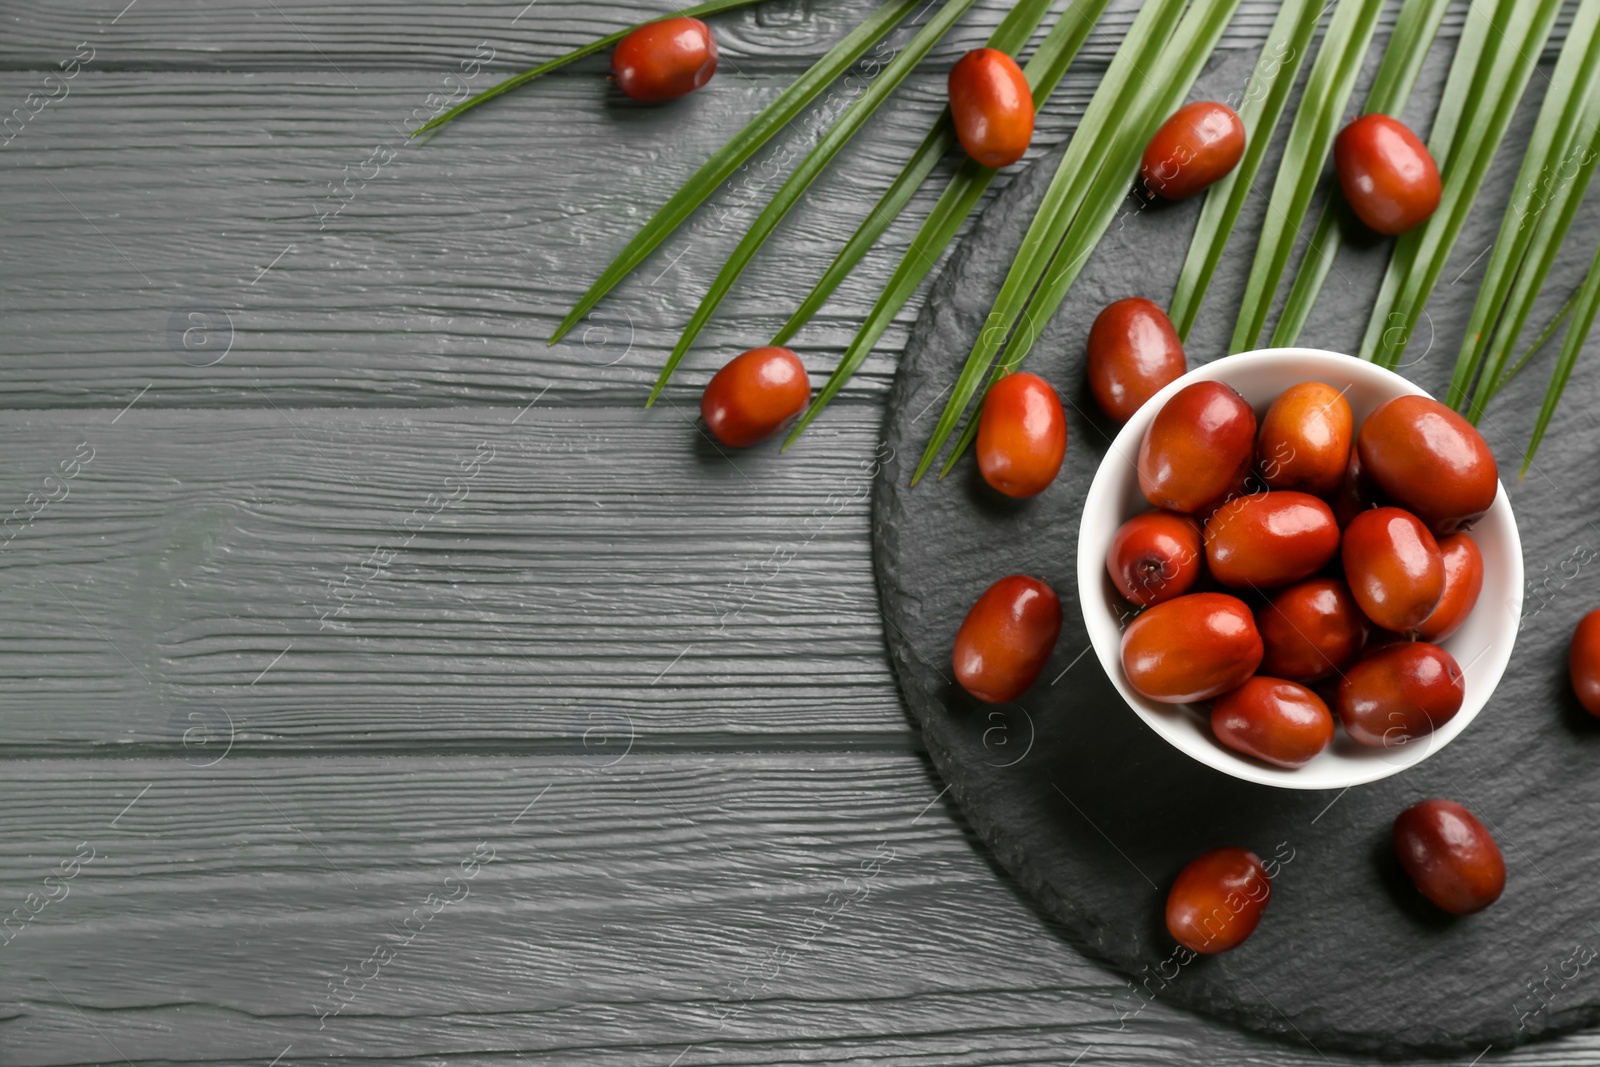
[[1482, 646]]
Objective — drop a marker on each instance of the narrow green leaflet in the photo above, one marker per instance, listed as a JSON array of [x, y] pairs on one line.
[[1333, 76], [1159, 96], [1414, 31], [1545, 334], [853, 118], [773, 118], [1012, 33], [1588, 302], [1524, 26], [1555, 173], [1265, 96], [516, 81], [958, 200], [1108, 109]]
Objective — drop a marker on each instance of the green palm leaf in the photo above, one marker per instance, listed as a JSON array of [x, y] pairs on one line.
[[1108, 108], [518, 80], [1161, 94], [1524, 251], [1327, 91], [773, 118], [1414, 31], [1588, 301], [1520, 29], [1012, 33], [958, 200], [1265, 96], [809, 168]]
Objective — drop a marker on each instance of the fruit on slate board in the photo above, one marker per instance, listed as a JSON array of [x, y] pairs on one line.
[[1193, 149], [1278, 721], [1266, 540], [1463, 581], [1430, 461], [1156, 556], [1133, 351], [1310, 630], [1217, 900], [1400, 693], [1387, 174], [1006, 638], [1022, 435], [1191, 648], [1583, 662], [1305, 439], [665, 59], [1394, 567], [754, 394], [1450, 856], [1198, 449], [992, 107]]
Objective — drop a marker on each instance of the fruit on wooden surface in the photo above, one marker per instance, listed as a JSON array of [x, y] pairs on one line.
[[754, 394], [665, 59], [992, 107]]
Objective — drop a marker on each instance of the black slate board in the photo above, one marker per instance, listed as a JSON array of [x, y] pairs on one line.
[[1095, 814]]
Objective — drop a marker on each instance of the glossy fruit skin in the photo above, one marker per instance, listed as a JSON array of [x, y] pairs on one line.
[[1155, 557], [1386, 173], [1305, 439], [1452, 859], [1134, 351], [1394, 568], [1463, 581], [1197, 146], [1198, 449], [1191, 648], [1583, 662], [1217, 900], [666, 59], [1356, 492], [1022, 435], [754, 394], [1006, 638], [1310, 630], [1399, 693], [1266, 540], [992, 107], [1430, 461], [1275, 720]]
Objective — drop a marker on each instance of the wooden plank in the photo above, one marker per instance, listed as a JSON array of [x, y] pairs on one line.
[[652, 910], [325, 579], [162, 216], [428, 34]]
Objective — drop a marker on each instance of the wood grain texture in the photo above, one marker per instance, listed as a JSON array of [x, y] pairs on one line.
[[725, 910], [574, 568]]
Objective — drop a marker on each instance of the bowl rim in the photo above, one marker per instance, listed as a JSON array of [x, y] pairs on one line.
[[1108, 485]]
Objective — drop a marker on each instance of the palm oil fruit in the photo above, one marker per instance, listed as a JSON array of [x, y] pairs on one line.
[[992, 107], [1006, 638], [1266, 540], [1387, 174], [1193, 149], [1463, 581], [1191, 648], [1275, 720], [1310, 630], [1198, 449], [1400, 693], [1394, 568], [1022, 435], [665, 59], [1450, 856], [1430, 461], [1305, 440], [1583, 662], [1217, 900], [1156, 556], [1133, 352], [751, 397]]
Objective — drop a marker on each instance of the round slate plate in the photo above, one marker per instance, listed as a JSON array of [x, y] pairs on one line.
[[1095, 814]]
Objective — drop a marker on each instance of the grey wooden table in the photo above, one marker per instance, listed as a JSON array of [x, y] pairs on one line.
[[380, 683]]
